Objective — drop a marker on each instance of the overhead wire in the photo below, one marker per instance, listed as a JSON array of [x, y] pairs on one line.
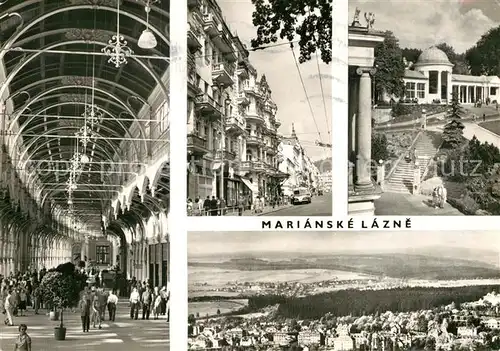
[[304, 88]]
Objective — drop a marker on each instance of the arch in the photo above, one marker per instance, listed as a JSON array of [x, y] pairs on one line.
[[23, 63]]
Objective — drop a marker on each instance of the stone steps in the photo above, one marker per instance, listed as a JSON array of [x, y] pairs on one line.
[[401, 179]]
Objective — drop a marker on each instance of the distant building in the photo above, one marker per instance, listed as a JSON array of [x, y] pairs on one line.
[[309, 337], [343, 341], [466, 332]]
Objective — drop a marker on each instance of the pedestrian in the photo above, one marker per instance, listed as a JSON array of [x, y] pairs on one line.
[[103, 301], [9, 308], [23, 341], [222, 205], [156, 303], [96, 312], [112, 302], [146, 303], [134, 304], [206, 206], [84, 306], [443, 197], [163, 294], [189, 207], [435, 197], [213, 206], [23, 297], [484, 117]]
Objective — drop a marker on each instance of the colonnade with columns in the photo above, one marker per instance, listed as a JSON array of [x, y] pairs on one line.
[[469, 94], [20, 251]]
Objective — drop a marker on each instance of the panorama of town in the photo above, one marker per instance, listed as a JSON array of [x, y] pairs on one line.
[[395, 291]]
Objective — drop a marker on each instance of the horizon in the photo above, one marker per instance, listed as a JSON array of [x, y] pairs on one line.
[[204, 244]]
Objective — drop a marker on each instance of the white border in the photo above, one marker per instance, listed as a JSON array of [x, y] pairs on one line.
[[178, 186], [340, 112], [359, 223]]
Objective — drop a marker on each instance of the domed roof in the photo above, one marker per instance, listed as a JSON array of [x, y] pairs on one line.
[[434, 56]]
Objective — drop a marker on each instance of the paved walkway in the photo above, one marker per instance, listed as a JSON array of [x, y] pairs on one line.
[[391, 204], [123, 334]]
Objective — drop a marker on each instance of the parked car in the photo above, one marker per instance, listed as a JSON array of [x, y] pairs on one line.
[[301, 196]]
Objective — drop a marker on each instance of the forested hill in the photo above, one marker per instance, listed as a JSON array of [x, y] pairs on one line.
[[391, 265]]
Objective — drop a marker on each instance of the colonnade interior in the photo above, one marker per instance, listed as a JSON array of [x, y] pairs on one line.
[[84, 144]]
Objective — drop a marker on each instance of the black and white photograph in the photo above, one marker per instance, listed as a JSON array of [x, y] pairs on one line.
[[259, 109], [420, 290], [84, 175], [424, 90]]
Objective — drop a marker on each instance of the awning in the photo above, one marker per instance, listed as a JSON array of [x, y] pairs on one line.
[[248, 183]]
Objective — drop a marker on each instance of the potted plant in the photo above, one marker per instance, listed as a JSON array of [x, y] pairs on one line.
[[60, 288]]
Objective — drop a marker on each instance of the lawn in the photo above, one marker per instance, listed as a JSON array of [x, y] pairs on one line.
[[492, 126]]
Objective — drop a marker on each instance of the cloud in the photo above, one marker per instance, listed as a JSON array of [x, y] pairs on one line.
[[420, 26]]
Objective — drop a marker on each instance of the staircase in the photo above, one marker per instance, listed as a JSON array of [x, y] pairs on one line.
[[401, 180]]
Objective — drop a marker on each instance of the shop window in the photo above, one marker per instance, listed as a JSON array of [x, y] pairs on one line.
[[102, 254]]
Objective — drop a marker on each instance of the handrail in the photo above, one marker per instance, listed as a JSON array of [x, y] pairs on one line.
[[393, 169]]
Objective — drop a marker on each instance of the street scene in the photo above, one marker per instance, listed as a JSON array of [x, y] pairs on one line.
[[429, 95], [344, 291], [259, 113], [84, 175]]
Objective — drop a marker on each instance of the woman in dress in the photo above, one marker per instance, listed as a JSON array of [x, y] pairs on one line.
[[23, 299], [156, 303], [23, 341]]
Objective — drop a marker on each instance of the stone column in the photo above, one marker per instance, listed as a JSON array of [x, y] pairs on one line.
[[364, 128], [352, 107]]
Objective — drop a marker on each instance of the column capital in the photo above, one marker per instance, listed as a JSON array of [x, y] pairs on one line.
[[369, 70]]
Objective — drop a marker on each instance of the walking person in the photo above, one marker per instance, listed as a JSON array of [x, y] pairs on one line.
[[443, 196], [96, 312], [484, 117], [23, 299], [134, 304], [435, 197], [156, 303], [84, 306], [23, 341], [103, 301], [213, 206], [9, 308], [112, 302], [163, 295], [206, 206], [146, 303]]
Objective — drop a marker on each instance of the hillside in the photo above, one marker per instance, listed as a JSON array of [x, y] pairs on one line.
[[416, 266]]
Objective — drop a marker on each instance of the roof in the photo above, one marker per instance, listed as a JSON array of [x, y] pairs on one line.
[[433, 56], [473, 79], [414, 74], [55, 65]]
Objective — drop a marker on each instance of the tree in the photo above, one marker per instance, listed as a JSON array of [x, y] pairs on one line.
[[458, 60], [390, 67], [61, 290], [191, 319], [484, 57], [379, 147], [310, 20], [454, 130], [411, 54]]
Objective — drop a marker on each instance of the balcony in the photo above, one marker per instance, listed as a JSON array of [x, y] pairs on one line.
[[210, 25], [270, 150], [253, 117], [196, 145], [226, 155], [246, 166], [235, 125], [193, 43], [242, 70], [224, 43], [253, 90], [208, 107], [243, 99], [222, 74], [259, 166], [254, 140]]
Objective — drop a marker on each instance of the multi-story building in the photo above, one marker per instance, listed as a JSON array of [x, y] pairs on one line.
[[294, 161], [232, 125], [326, 180], [309, 337]]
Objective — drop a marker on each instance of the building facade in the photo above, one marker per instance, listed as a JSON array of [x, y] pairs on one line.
[[232, 124], [430, 80], [293, 160]]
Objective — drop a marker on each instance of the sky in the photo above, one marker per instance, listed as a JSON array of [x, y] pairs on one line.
[[278, 65], [206, 243], [423, 23]]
